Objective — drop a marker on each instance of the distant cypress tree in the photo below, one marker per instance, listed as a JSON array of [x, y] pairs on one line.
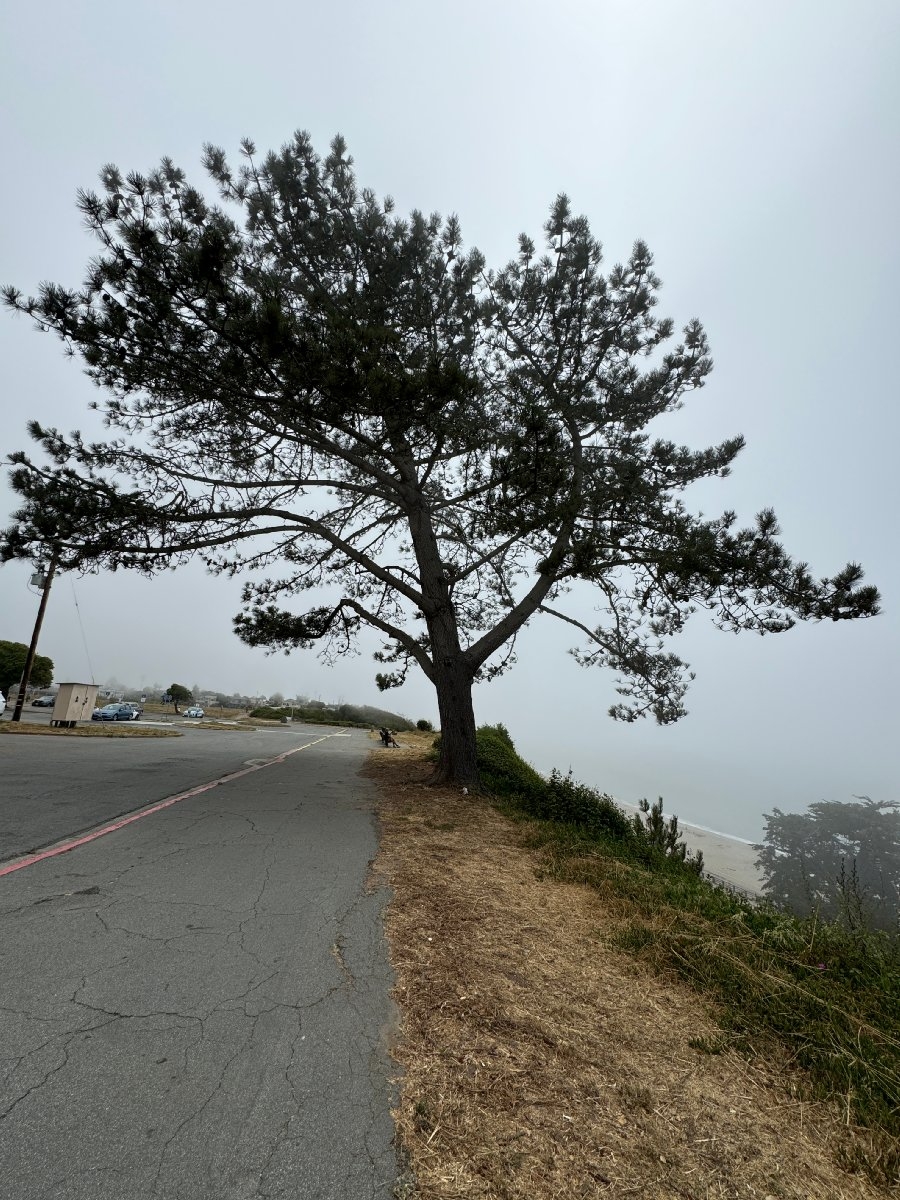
[[12, 664], [840, 859], [180, 694]]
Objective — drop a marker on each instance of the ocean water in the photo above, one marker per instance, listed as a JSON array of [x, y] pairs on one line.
[[702, 794]]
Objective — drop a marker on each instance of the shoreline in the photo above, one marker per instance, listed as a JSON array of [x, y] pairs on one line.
[[731, 860]]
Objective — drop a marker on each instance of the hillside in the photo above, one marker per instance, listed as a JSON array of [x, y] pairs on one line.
[[542, 1058]]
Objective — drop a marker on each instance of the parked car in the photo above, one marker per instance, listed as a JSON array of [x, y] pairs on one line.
[[115, 712], [43, 702], [194, 711]]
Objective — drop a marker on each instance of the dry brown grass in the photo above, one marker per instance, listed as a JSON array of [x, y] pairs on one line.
[[537, 1060], [107, 729]]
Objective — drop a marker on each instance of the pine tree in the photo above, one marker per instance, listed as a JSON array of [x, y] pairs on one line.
[[301, 385]]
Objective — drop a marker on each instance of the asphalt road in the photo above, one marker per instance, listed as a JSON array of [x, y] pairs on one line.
[[54, 786], [194, 1007]]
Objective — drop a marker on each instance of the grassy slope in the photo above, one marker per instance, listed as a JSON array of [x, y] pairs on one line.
[[827, 993], [541, 1060]]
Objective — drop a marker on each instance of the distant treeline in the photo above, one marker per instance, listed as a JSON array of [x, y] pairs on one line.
[[362, 716]]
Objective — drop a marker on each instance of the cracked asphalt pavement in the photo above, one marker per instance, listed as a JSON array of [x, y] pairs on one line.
[[196, 1007]]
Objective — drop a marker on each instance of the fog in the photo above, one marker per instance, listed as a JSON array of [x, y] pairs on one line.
[[753, 147]]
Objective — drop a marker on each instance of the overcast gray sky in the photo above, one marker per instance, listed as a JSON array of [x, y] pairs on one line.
[[754, 146]]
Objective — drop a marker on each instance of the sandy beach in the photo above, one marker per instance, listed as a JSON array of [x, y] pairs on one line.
[[730, 859], [727, 858]]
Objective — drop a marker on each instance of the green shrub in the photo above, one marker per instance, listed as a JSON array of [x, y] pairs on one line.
[[424, 726], [312, 716], [562, 800], [578, 804], [315, 713], [502, 771], [662, 836]]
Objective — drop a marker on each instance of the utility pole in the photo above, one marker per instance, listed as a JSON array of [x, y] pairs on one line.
[[32, 649]]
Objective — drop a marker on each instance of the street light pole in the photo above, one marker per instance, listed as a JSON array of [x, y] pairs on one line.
[[32, 649]]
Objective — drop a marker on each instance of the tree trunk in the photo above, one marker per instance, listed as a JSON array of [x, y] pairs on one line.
[[453, 676], [458, 763]]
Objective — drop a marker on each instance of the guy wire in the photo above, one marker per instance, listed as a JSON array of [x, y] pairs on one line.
[[83, 638]]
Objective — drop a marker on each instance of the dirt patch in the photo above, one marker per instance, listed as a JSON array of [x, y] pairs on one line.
[[538, 1060]]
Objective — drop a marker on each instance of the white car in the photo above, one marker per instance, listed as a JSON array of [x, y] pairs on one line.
[[2, 702], [194, 711]]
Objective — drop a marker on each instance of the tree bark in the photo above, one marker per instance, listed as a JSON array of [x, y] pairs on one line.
[[453, 674], [458, 763]]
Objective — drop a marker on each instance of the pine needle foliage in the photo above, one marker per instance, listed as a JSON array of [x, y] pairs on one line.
[[379, 431]]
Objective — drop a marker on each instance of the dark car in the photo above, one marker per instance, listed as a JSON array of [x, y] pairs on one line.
[[115, 712], [43, 702]]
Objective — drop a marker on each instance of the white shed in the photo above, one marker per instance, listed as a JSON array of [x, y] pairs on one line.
[[74, 702]]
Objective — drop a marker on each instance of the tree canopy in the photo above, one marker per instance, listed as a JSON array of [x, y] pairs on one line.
[[180, 694], [12, 664], [841, 859], [302, 385]]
